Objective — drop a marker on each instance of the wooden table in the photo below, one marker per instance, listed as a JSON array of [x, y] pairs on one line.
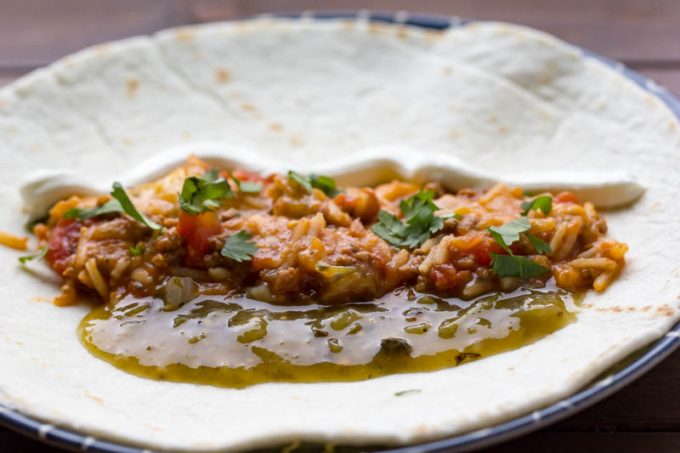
[[644, 34]]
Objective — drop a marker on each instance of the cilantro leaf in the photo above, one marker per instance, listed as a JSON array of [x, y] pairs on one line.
[[42, 252], [82, 214], [212, 175], [509, 233], [137, 250], [246, 186], [543, 203], [324, 183], [419, 212], [301, 180], [539, 244], [119, 194], [516, 266], [203, 194], [512, 265], [390, 228], [238, 247], [419, 222], [407, 392]]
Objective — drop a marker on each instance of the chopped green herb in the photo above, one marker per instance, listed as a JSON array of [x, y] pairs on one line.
[[109, 207], [390, 228], [420, 208], [238, 247], [301, 180], [42, 252], [543, 203], [509, 233], [419, 222], [204, 194], [119, 194], [137, 250], [246, 186], [516, 266], [539, 244], [407, 392], [326, 184], [212, 175]]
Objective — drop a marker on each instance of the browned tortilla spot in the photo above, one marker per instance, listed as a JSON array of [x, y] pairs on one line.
[[296, 141], [665, 310], [374, 28], [185, 36], [153, 427], [97, 399], [41, 299], [101, 49], [222, 75], [131, 87], [348, 24], [422, 430], [431, 36]]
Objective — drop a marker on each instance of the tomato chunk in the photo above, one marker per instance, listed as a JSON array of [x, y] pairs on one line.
[[567, 197], [197, 231], [483, 250], [62, 243], [243, 175]]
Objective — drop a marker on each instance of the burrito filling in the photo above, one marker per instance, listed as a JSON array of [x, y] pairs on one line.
[[231, 278]]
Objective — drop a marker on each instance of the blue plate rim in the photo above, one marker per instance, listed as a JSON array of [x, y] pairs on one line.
[[593, 393]]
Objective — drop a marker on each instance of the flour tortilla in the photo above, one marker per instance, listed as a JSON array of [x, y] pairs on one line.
[[502, 97]]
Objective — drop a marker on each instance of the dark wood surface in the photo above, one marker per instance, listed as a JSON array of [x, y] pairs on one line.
[[644, 34]]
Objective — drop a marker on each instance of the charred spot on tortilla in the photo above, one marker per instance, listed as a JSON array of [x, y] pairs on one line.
[[230, 278]]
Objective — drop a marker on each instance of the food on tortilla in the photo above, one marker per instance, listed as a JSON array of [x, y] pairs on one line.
[[206, 243], [292, 238]]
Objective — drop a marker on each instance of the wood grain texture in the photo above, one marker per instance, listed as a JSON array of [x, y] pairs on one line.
[[644, 34], [35, 32]]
